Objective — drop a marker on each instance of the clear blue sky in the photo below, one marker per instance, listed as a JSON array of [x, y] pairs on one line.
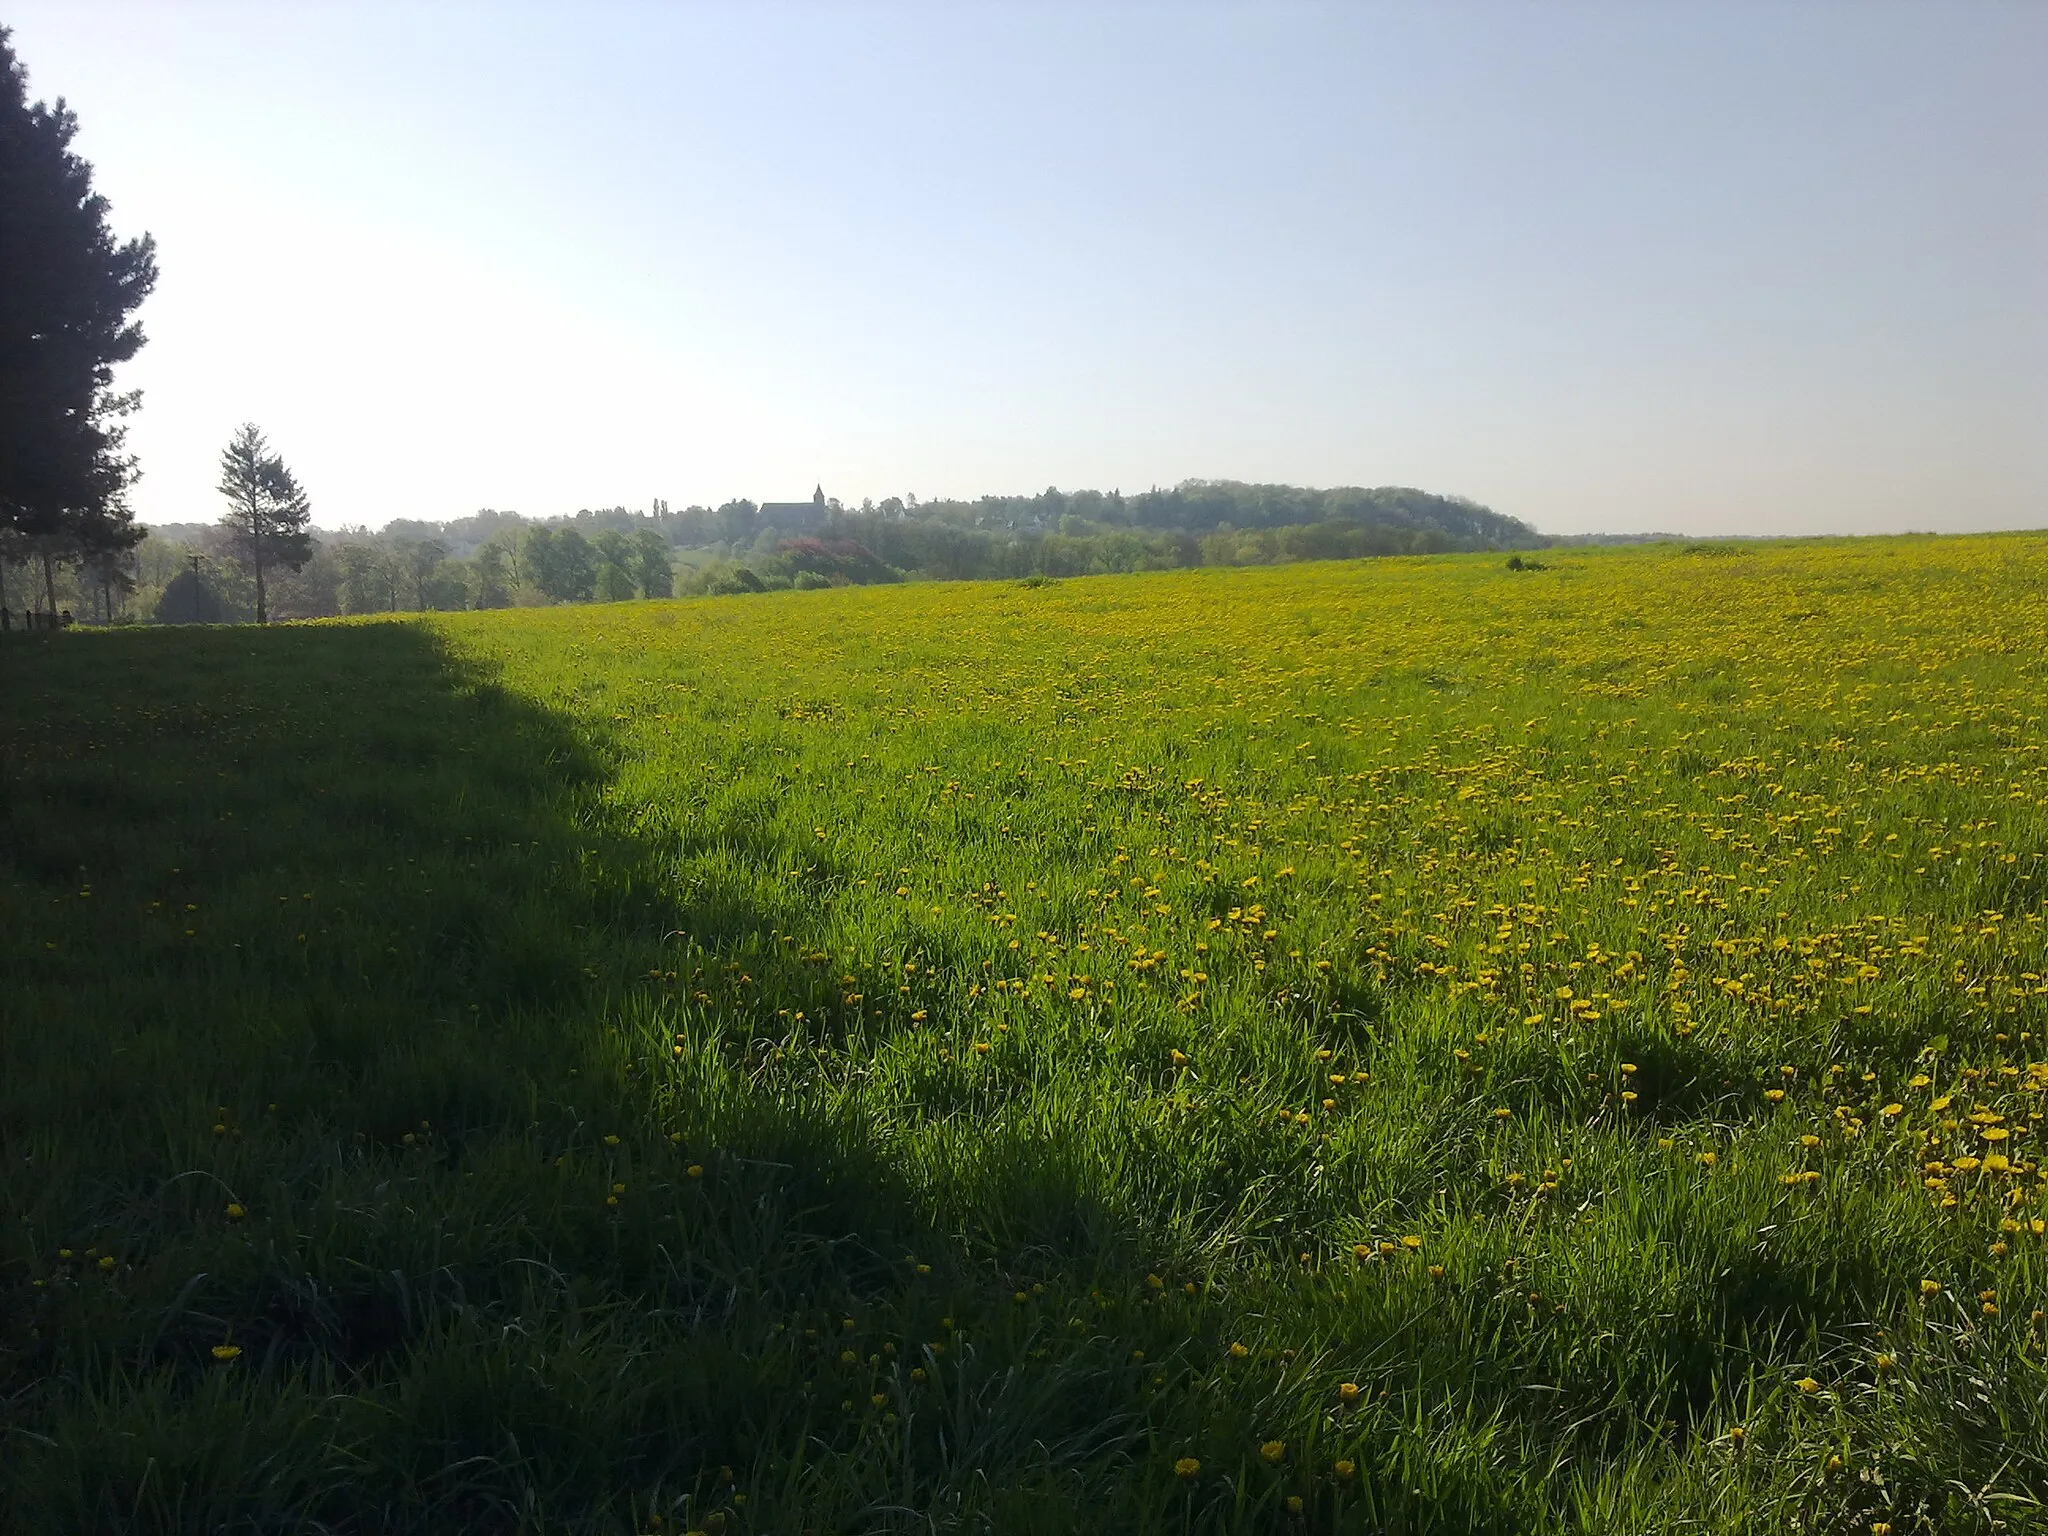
[[1702, 267]]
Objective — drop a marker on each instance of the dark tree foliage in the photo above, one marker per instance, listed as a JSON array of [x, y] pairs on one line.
[[67, 292], [613, 552], [491, 570], [652, 569], [561, 564], [189, 600]]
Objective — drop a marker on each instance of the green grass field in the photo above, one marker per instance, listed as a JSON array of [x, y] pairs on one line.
[[1391, 1047]]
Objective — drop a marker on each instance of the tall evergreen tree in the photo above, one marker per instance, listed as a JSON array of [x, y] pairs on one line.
[[67, 291], [267, 514]]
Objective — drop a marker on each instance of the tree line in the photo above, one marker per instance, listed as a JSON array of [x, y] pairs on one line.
[[200, 573], [498, 559]]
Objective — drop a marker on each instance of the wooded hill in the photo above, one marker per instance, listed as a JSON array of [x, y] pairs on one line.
[[493, 558]]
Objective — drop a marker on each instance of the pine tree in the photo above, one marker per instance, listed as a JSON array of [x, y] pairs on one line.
[[67, 291], [267, 514]]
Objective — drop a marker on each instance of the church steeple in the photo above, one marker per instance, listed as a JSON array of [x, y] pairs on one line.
[[818, 497]]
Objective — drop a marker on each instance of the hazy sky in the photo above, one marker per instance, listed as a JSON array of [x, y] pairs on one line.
[[1700, 267]]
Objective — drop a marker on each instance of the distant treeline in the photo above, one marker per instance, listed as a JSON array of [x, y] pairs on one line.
[[495, 559]]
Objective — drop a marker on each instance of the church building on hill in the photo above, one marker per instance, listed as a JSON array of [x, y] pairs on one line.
[[794, 516]]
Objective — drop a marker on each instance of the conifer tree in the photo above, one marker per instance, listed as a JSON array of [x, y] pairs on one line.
[[267, 514], [67, 291]]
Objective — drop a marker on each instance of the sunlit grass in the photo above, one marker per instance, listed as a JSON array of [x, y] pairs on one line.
[[1407, 1045]]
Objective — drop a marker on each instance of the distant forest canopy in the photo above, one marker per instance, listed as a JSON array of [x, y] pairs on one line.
[[495, 559]]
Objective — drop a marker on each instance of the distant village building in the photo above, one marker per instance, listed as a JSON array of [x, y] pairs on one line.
[[795, 516]]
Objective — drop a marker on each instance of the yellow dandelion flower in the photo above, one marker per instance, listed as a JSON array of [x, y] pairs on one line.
[[1275, 1452], [1187, 1468], [226, 1352]]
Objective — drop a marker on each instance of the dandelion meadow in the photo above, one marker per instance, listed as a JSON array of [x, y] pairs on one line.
[[1407, 1045]]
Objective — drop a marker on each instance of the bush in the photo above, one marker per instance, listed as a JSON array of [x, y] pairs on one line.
[[734, 580]]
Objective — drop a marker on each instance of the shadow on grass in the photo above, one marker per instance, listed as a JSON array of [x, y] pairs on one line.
[[349, 1183]]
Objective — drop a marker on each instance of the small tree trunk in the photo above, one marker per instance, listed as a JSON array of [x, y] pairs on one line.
[[50, 586], [256, 558]]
